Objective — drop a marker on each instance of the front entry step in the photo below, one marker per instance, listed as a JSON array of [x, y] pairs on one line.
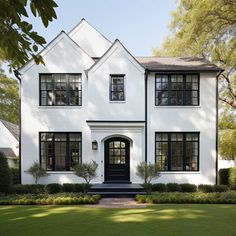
[[116, 190]]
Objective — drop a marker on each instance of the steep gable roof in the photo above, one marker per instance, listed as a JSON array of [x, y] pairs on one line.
[[102, 58], [13, 128], [177, 64], [49, 46], [90, 39]]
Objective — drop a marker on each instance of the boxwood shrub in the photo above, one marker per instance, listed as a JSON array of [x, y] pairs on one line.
[[224, 176], [49, 199], [188, 188], [206, 188], [173, 187], [220, 188], [232, 178], [28, 188], [159, 187], [53, 188], [198, 197]]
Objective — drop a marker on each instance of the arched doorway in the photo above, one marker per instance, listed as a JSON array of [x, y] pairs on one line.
[[117, 159]]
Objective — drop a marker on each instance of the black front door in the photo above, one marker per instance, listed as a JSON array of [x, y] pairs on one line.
[[117, 158]]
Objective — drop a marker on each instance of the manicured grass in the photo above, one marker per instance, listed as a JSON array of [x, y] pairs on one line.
[[163, 220]]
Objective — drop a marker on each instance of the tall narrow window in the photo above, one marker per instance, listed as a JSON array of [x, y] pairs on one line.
[[177, 90], [177, 151], [60, 151], [117, 88], [60, 90]]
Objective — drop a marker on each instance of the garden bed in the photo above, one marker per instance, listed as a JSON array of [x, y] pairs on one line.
[[49, 199], [196, 198]]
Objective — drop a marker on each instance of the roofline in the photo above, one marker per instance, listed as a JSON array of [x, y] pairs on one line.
[[183, 71], [17, 71], [108, 50], [91, 26]]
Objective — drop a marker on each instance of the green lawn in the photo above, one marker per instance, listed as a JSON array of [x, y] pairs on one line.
[[166, 219]]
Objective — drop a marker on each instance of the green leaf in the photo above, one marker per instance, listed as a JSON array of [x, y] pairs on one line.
[[35, 47]]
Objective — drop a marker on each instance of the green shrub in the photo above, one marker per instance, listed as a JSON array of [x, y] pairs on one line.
[[197, 197], [53, 188], [232, 178], [206, 188], [28, 188], [159, 187], [5, 175], [188, 188], [224, 176], [15, 175], [45, 199], [147, 187], [68, 188], [78, 188], [173, 187], [220, 188]]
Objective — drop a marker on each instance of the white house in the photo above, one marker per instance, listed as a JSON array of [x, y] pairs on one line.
[[9, 142], [95, 101]]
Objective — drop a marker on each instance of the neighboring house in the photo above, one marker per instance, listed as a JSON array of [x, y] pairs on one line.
[[9, 142], [95, 101]]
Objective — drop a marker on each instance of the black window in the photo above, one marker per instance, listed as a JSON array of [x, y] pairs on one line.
[[177, 90], [60, 151], [177, 151], [117, 88], [60, 89]]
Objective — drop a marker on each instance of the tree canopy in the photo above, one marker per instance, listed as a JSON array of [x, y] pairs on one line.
[[206, 28], [18, 40], [9, 98]]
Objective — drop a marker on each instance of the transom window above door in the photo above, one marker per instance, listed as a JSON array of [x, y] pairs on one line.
[[60, 89], [117, 88], [177, 90]]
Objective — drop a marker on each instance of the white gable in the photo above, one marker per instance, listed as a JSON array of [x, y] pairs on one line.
[[61, 54], [89, 39]]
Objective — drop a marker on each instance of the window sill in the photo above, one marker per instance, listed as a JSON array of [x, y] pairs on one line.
[[180, 172], [60, 172], [117, 101], [60, 107], [177, 106]]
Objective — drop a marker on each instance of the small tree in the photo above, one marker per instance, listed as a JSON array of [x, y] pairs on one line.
[[36, 171], [147, 172], [86, 171], [5, 175]]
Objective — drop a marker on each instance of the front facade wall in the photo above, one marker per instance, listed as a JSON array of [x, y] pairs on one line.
[[96, 106], [200, 119]]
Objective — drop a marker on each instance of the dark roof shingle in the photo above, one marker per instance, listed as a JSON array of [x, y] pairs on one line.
[[177, 64], [13, 128], [8, 152]]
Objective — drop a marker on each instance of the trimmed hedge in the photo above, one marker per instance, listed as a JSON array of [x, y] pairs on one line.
[[28, 188], [188, 188], [53, 188], [224, 176], [199, 198], [220, 188], [56, 199], [206, 188], [232, 178], [15, 175], [173, 187], [159, 187]]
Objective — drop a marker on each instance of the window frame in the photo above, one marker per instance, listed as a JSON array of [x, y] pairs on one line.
[[184, 150], [184, 90], [67, 90], [110, 87], [67, 161]]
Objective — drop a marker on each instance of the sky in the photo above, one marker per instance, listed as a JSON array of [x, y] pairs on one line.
[[140, 25]]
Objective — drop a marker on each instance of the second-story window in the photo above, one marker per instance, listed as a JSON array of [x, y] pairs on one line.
[[117, 88], [60, 90], [177, 90]]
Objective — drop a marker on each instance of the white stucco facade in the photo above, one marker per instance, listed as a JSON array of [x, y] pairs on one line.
[[100, 119]]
